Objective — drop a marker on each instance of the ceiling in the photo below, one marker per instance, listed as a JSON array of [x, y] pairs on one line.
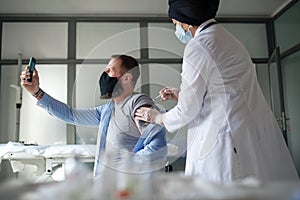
[[228, 8]]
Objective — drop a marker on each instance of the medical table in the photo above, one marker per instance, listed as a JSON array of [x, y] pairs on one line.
[[46, 158]]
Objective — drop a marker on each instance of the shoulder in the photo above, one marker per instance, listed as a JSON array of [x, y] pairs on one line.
[[196, 56], [139, 99], [104, 107], [199, 47]]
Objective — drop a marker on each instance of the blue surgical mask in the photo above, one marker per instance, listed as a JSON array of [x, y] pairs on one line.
[[183, 36]]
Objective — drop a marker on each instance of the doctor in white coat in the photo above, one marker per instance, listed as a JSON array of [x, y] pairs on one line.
[[232, 133]]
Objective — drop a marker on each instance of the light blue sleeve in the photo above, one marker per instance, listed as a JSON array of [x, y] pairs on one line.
[[152, 144], [82, 117]]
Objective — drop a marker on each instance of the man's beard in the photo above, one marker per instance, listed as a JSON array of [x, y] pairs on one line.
[[118, 90]]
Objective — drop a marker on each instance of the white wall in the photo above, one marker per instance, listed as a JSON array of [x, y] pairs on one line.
[[43, 41], [36, 124], [101, 40], [8, 103]]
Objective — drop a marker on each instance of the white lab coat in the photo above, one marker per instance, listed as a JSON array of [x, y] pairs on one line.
[[232, 133]]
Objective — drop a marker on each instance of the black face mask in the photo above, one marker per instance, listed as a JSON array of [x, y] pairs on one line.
[[107, 85]]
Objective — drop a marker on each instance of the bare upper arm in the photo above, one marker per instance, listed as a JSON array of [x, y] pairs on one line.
[[141, 125]]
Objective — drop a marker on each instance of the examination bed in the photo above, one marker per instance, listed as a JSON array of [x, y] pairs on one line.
[[46, 158]]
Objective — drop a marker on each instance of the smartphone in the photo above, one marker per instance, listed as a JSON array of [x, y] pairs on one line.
[[31, 65]]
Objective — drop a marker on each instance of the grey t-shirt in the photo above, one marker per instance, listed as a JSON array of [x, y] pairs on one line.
[[123, 133]]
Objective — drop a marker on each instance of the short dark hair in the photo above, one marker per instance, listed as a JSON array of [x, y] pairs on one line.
[[129, 64]]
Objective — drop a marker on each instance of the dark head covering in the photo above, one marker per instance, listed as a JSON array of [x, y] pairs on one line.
[[193, 12]]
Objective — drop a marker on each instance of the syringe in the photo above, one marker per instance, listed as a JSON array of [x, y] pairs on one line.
[[156, 98]]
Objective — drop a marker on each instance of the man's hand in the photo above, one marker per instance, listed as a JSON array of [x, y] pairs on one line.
[[33, 86], [149, 115]]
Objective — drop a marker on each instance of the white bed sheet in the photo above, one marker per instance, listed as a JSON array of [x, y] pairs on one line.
[[43, 157], [46, 151]]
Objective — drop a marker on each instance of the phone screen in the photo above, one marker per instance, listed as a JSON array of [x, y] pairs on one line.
[[31, 65]]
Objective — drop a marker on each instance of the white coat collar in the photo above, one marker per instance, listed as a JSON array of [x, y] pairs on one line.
[[203, 25]]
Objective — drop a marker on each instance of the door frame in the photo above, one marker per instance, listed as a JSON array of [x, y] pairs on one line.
[[282, 120]]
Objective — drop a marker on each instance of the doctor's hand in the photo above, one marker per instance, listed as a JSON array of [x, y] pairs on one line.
[[33, 86], [149, 115], [169, 93]]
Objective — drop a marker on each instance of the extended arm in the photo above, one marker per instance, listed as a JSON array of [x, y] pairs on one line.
[[86, 117], [83, 117]]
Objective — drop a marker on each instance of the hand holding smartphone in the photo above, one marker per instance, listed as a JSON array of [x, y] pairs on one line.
[[31, 67]]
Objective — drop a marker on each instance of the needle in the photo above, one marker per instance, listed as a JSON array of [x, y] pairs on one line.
[[157, 97]]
